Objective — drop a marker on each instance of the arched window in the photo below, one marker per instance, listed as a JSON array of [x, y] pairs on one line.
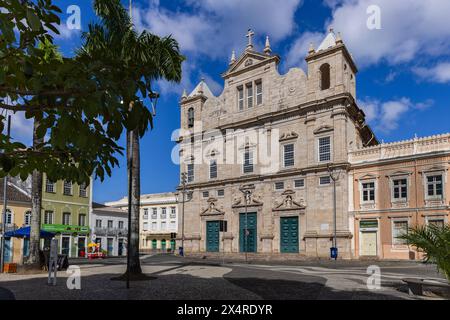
[[190, 117], [27, 218], [9, 217], [154, 244], [325, 76]]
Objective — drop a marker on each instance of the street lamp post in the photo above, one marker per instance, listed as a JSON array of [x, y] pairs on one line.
[[247, 194], [334, 175], [183, 200]]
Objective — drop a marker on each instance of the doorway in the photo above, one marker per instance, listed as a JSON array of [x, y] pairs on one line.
[[247, 232], [368, 243], [212, 236], [81, 247], [289, 234]]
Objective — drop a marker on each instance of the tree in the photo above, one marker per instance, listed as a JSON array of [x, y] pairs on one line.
[[434, 241], [139, 60]]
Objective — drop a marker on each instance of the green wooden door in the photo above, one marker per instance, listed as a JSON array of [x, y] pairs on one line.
[[212, 236], [248, 244], [289, 234]]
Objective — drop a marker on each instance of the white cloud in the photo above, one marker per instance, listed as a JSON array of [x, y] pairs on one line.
[[408, 28], [439, 73], [299, 49], [215, 28], [21, 128], [386, 116]]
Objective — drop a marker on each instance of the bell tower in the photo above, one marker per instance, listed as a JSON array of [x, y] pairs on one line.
[[331, 69]]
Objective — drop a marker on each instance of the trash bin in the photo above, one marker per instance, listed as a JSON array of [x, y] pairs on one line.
[[333, 253], [180, 249]]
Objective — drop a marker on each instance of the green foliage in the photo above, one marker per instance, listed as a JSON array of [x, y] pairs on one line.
[[81, 104], [434, 241]]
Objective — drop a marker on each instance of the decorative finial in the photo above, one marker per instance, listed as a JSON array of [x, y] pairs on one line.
[[331, 30], [200, 89], [311, 48], [267, 49], [338, 38], [250, 34], [184, 95], [233, 57]]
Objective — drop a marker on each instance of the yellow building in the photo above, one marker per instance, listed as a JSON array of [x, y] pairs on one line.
[[18, 214]]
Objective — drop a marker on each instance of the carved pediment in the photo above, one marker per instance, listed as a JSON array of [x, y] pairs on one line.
[[323, 129], [212, 209], [399, 173], [288, 136], [288, 202], [249, 59], [239, 202], [368, 176]]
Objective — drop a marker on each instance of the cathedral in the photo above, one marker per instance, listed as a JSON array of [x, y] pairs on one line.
[[272, 157]]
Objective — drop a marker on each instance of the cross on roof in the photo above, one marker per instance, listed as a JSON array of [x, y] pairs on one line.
[[249, 35]]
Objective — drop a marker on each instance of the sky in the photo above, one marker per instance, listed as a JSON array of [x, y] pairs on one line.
[[404, 63]]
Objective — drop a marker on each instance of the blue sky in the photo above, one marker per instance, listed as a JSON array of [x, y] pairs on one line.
[[402, 84]]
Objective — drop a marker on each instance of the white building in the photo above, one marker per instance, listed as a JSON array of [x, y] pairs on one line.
[[158, 220], [110, 228]]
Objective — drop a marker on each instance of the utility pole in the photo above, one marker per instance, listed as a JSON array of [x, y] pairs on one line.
[[5, 204]]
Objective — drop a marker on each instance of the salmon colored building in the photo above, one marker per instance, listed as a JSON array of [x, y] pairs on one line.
[[396, 186]]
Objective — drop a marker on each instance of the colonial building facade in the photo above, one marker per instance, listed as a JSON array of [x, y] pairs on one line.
[[110, 227], [158, 220], [396, 186], [259, 155]]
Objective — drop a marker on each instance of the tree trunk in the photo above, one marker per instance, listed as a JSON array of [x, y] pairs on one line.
[[36, 204], [133, 140]]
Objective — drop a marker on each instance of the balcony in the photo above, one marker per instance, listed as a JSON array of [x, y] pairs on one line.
[[110, 232]]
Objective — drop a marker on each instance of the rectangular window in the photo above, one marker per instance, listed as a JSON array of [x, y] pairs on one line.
[[66, 218], [110, 224], [240, 98], [190, 172], [368, 191], [9, 217], [145, 226], [213, 169], [400, 189], [163, 225], [98, 223], [173, 225], [248, 161], [173, 212], [399, 228], [154, 225], [205, 194], [67, 190], [299, 183], [325, 149], [83, 190], [28, 218], [145, 214], [436, 222], [82, 220], [48, 217], [279, 185], [163, 213], [434, 186], [249, 87], [154, 213], [259, 92], [120, 224], [49, 186], [324, 180], [288, 155], [220, 192]]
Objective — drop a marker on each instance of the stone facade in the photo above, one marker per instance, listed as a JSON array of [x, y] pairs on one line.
[[296, 109], [411, 187]]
